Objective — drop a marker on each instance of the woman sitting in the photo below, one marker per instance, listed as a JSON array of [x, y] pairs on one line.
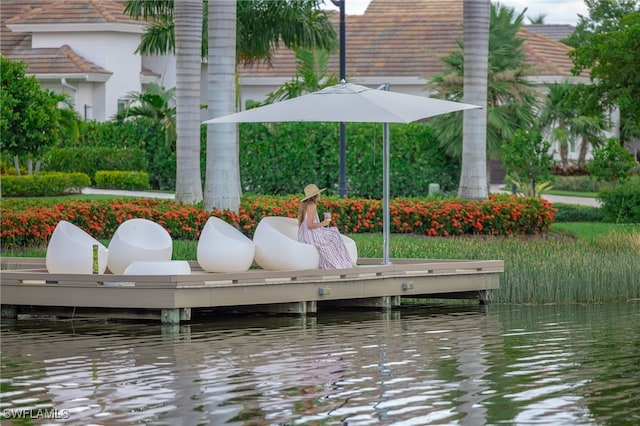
[[328, 241]]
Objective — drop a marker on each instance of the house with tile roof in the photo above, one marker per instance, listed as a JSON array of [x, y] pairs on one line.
[[87, 48], [402, 43]]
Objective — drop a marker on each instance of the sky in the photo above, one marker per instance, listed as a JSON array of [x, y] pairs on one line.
[[556, 11]]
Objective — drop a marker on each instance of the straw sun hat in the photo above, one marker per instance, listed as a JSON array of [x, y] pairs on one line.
[[311, 190]]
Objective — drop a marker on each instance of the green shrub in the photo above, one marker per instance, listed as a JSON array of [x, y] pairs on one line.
[[90, 160], [579, 184], [576, 213], [45, 184], [280, 158], [621, 204], [140, 134], [117, 179]]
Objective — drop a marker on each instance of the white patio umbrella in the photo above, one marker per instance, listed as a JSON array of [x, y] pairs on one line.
[[351, 103]]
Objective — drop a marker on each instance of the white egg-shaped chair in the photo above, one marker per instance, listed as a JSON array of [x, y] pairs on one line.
[[151, 267], [352, 248], [138, 239], [278, 248], [70, 251], [222, 248]]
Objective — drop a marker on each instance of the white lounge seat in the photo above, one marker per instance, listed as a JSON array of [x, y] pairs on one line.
[[278, 248], [138, 239], [352, 248], [70, 251], [150, 267], [222, 248]]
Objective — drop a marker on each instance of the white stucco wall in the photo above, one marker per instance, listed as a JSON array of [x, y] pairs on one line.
[[113, 51]]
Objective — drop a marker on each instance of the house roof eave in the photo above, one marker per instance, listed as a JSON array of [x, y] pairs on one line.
[[81, 27], [544, 79], [88, 77]]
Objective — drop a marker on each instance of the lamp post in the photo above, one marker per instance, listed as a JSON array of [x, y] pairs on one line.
[[342, 182]]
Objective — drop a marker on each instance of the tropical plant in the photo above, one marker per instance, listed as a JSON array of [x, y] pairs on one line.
[[311, 75], [528, 162], [511, 99], [154, 103], [69, 120], [567, 118], [29, 115], [538, 19], [611, 163]]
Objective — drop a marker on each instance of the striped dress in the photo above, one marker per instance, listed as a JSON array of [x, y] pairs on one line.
[[333, 252]]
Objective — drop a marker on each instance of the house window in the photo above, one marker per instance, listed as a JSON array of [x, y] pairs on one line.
[[121, 105]]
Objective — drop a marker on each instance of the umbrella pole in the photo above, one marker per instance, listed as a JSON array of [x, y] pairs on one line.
[[385, 194]]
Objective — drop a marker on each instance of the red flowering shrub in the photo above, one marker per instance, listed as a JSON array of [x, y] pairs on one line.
[[29, 222]]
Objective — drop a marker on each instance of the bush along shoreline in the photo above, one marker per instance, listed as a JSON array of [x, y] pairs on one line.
[[27, 222]]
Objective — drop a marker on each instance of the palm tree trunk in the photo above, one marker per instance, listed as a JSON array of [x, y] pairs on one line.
[[188, 39], [582, 155], [222, 183], [564, 155], [473, 178]]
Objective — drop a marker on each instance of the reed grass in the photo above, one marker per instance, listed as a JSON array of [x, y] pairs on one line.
[[584, 263]]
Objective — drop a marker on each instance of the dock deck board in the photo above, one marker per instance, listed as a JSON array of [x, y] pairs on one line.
[[26, 282]]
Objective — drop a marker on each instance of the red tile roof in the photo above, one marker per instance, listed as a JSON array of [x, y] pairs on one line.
[[73, 11], [63, 60], [408, 39], [393, 38]]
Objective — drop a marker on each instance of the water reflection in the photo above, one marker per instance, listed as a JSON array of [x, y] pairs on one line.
[[435, 365]]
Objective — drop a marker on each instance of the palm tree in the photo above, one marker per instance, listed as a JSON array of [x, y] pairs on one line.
[[222, 182], [188, 38], [510, 99], [155, 103], [261, 26], [567, 118], [473, 178], [539, 19], [311, 75]]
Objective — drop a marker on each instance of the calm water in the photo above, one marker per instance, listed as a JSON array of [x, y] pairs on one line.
[[551, 365]]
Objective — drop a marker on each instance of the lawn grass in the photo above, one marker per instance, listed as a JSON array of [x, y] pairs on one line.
[[591, 231]]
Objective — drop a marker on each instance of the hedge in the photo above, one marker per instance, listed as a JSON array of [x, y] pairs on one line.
[[577, 213], [121, 179], [276, 158], [621, 204], [44, 184], [25, 222], [90, 160], [281, 158]]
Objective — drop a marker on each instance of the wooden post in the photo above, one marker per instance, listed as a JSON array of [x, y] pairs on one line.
[[173, 316], [9, 312]]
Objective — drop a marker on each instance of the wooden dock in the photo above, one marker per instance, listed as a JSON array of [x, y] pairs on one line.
[[27, 288]]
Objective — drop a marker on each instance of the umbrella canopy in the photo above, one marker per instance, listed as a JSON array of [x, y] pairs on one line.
[[351, 103], [347, 103]]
